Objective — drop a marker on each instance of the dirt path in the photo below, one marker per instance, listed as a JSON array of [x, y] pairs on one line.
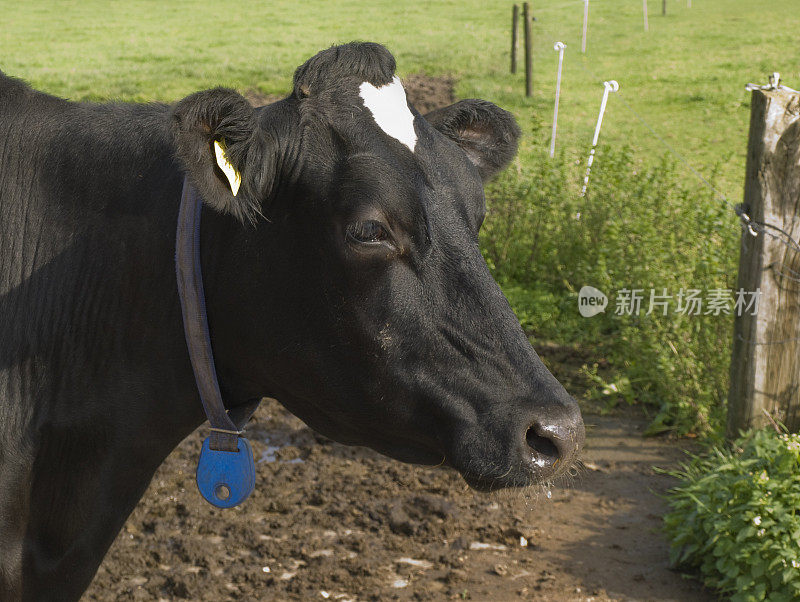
[[338, 523]]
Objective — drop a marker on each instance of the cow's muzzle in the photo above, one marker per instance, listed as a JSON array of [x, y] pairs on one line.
[[524, 449]]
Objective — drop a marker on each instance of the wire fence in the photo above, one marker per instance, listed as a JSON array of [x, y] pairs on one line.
[[753, 226]]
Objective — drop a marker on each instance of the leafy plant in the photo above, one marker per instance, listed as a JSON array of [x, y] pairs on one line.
[[638, 227], [736, 517], [610, 393]]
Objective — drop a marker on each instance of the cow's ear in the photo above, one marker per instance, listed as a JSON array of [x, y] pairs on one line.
[[487, 134], [217, 141]]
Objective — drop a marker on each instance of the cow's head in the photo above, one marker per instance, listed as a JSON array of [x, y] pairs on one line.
[[355, 292]]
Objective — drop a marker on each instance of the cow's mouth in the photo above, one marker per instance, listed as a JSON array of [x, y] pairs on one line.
[[544, 464], [539, 454], [516, 476]]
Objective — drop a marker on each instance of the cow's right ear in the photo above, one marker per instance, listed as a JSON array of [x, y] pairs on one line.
[[217, 141]]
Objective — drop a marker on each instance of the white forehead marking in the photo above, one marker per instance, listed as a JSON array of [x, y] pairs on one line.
[[390, 110]]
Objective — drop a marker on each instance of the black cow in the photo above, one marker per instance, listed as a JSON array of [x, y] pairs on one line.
[[344, 279]]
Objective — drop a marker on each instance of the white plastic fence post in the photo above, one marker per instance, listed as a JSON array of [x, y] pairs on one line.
[[559, 46], [585, 24], [644, 8], [609, 86]]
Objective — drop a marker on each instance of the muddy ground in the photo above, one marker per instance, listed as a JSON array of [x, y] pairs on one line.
[[425, 93], [338, 523], [329, 522]]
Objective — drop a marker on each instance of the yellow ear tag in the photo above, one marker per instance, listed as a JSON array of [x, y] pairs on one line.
[[234, 177]]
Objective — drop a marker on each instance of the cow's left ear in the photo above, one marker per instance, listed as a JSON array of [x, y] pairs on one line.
[[217, 141], [488, 134]]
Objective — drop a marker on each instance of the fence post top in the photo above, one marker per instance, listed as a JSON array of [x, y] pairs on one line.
[[611, 85], [774, 84], [559, 46]]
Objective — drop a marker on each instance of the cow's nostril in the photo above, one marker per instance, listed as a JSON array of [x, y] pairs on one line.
[[545, 450]]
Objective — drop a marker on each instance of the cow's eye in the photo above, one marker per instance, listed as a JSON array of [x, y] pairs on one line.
[[367, 231]]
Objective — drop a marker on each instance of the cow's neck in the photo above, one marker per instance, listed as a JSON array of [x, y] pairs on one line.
[[93, 363]]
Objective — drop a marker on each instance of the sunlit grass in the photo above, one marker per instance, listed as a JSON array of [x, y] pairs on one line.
[[685, 76]]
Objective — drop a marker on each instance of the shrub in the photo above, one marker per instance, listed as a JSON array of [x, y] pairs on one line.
[[638, 227], [736, 517]]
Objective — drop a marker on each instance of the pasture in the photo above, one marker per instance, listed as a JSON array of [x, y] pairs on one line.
[[685, 76], [329, 522]]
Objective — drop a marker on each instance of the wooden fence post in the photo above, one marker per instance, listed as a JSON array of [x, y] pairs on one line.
[[514, 37], [765, 364], [526, 17], [585, 25], [663, 8]]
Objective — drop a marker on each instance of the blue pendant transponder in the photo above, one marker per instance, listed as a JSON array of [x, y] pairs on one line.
[[226, 479]]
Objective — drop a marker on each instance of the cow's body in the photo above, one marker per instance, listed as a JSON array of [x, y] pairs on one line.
[[96, 386], [95, 383]]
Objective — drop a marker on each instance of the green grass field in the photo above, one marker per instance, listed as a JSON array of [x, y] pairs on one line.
[[685, 77]]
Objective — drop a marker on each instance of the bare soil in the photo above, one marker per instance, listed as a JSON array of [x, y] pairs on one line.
[[333, 522], [424, 93], [429, 93]]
